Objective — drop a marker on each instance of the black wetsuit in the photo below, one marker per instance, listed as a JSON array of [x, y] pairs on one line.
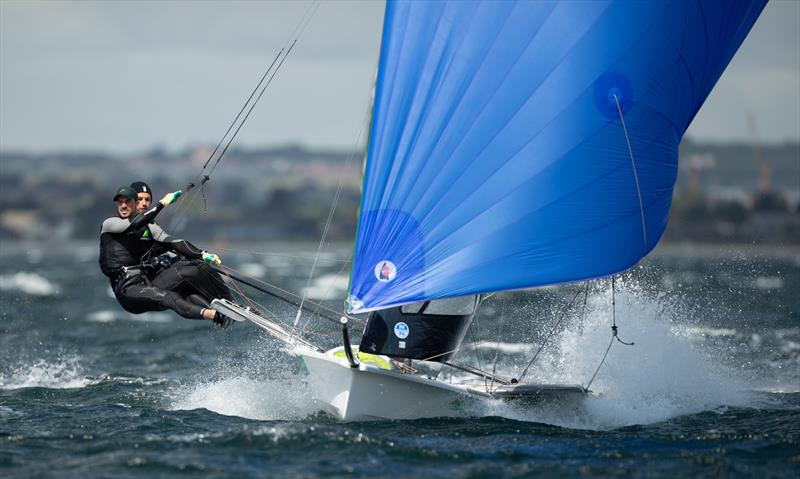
[[186, 287]]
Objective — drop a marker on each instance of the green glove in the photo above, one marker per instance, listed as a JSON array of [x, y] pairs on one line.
[[170, 198], [211, 258]]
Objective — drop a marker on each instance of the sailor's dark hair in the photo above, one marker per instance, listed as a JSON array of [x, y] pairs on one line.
[[142, 187]]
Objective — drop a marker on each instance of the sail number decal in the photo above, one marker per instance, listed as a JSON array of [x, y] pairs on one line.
[[385, 271]]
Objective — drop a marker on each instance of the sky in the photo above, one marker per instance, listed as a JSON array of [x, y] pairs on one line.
[[123, 76]]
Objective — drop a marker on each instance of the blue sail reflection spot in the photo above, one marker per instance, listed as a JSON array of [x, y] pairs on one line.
[[608, 86]]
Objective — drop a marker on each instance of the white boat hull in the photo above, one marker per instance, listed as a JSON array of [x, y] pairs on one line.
[[369, 392]]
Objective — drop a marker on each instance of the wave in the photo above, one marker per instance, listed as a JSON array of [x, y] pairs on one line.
[[60, 373]]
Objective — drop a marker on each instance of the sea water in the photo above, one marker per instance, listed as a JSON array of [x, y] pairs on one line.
[[711, 386]]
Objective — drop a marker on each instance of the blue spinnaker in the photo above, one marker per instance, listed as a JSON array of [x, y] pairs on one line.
[[498, 159]]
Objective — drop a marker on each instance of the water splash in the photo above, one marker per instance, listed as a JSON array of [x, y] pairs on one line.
[[664, 375], [261, 385], [248, 398]]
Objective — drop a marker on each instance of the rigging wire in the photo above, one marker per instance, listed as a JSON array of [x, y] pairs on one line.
[[497, 347], [321, 306], [282, 255], [261, 309], [553, 330], [263, 77], [471, 332], [583, 313], [329, 219], [249, 111], [280, 58], [328, 289]]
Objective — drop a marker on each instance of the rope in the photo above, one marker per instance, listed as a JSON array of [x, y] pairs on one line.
[[601, 363], [441, 354], [614, 312], [614, 331], [635, 174]]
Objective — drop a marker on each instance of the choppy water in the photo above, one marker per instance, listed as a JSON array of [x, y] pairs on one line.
[[712, 386]]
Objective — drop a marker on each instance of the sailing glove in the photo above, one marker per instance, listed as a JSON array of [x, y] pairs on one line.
[[211, 258], [170, 198]]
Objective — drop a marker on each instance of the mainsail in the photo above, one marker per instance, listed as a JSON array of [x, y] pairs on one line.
[[516, 144]]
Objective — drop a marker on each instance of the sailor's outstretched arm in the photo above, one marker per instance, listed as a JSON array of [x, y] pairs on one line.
[[185, 248], [180, 246], [146, 217], [120, 225]]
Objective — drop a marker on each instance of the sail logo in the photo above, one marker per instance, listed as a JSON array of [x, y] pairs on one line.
[[385, 271], [401, 330]]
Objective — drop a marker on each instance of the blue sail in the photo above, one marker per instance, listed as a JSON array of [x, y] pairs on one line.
[[517, 144]]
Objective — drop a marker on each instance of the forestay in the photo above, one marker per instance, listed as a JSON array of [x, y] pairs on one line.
[[498, 158]]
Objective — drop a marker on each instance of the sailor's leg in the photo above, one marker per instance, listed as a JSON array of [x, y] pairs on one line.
[[175, 278], [134, 299], [140, 298], [213, 283], [198, 300], [183, 306], [190, 278]]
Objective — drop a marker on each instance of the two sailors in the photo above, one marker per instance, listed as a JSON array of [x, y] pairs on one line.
[[152, 271]]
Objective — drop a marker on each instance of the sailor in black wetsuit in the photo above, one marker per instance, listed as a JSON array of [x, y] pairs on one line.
[[186, 287]]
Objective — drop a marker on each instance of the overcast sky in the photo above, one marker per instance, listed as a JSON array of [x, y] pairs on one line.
[[125, 76]]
